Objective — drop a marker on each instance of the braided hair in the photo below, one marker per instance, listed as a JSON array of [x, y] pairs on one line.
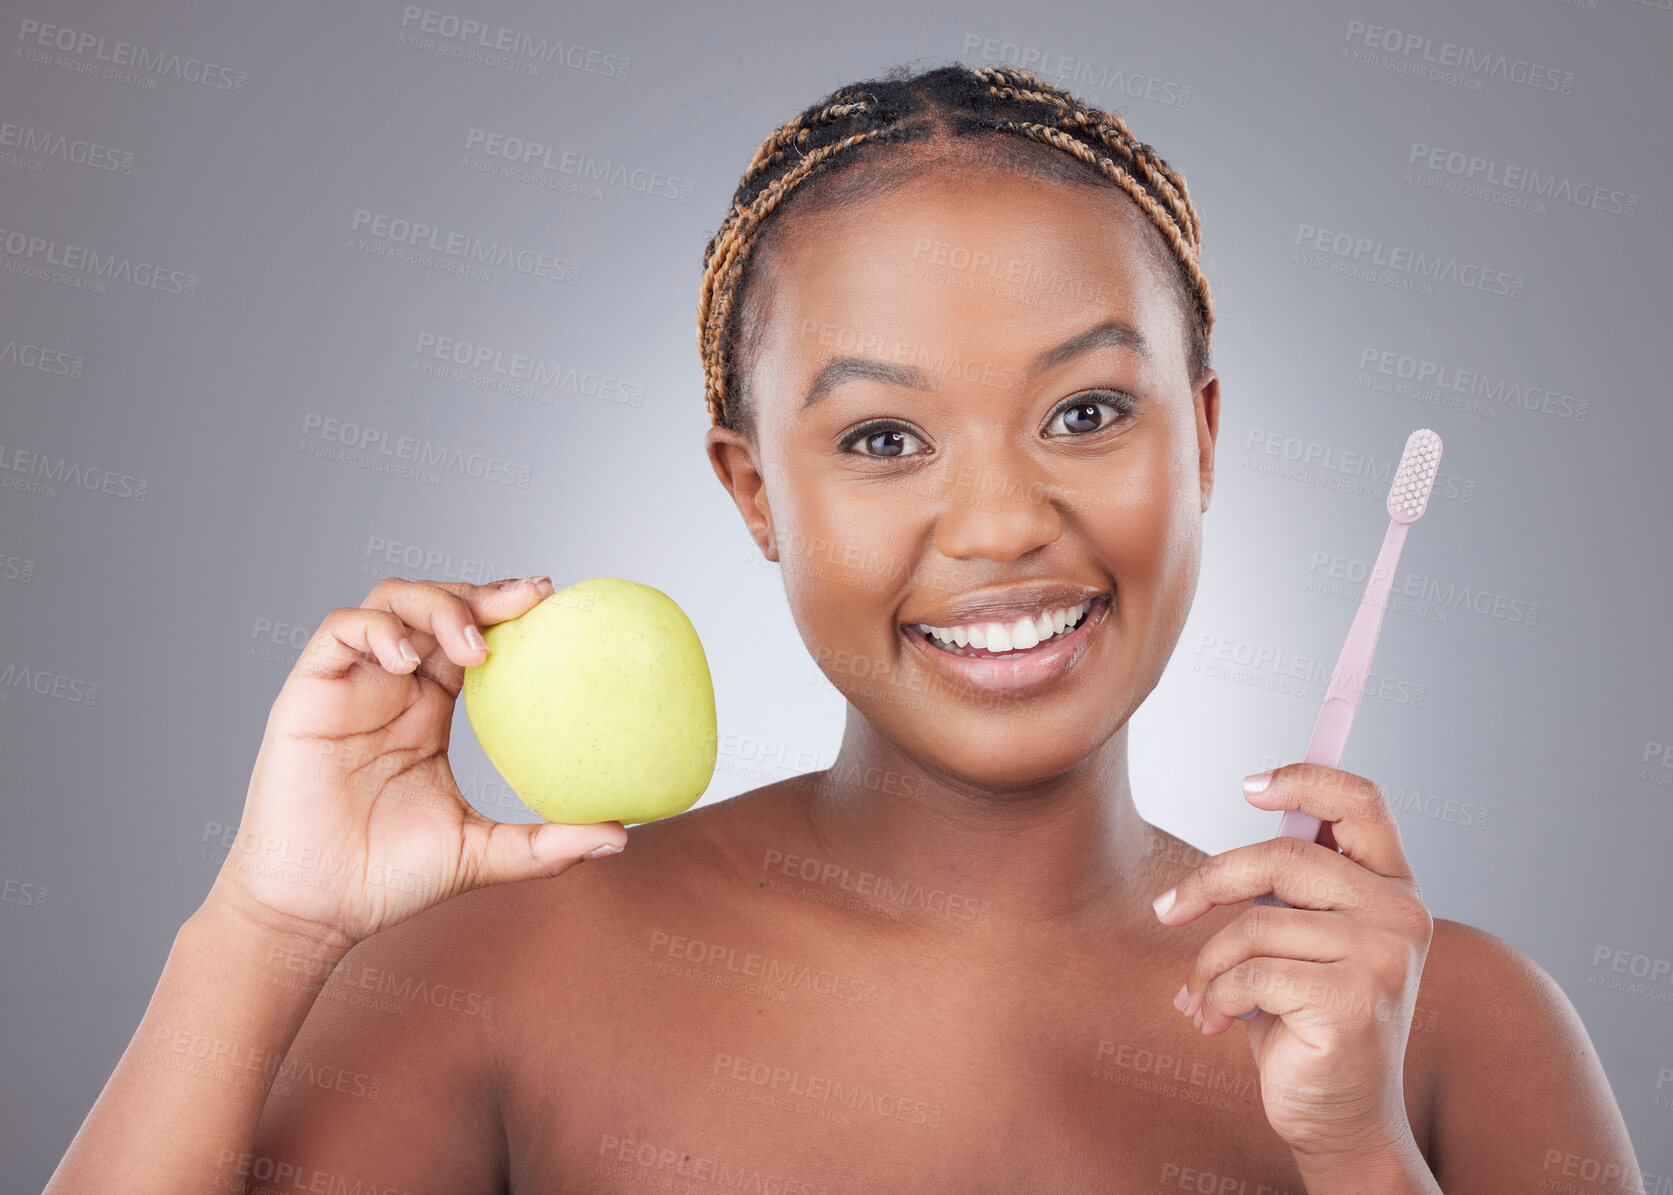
[[949, 106]]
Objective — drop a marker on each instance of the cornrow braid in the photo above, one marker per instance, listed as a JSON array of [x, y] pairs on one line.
[[858, 122]]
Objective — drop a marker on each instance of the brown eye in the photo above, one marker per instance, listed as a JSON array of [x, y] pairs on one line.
[[884, 442], [1090, 415]]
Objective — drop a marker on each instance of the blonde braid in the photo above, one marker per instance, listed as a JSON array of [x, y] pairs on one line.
[[1113, 132], [1183, 247], [902, 107], [726, 260]]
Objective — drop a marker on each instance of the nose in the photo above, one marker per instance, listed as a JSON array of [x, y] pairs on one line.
[[1000, 511]]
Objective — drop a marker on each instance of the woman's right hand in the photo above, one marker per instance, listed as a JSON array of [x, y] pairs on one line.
[[353, 820]]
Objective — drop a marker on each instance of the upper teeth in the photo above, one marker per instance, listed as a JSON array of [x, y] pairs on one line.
[[1020, 635]]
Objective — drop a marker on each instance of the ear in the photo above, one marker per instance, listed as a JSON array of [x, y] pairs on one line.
[[735, 463], [1207, 402]]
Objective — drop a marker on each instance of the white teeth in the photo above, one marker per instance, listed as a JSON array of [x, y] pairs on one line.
[[1018, 636]]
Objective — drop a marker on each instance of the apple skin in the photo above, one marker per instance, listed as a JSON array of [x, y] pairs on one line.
[[597, 705]]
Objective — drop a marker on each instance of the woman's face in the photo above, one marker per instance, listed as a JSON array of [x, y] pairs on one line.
[[972, 407]]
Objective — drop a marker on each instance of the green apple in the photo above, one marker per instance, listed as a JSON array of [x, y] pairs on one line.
[[597, 705]]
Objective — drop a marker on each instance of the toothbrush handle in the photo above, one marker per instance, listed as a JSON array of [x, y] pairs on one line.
[[1347, 683]]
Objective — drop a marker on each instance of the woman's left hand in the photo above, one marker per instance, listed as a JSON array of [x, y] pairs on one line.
[[1336, 975]]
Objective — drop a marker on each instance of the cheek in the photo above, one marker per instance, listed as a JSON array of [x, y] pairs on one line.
[[1144, 520], [842, 548]]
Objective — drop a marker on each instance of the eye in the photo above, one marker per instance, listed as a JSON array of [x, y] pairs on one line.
[[1084, 415], [882, 439]]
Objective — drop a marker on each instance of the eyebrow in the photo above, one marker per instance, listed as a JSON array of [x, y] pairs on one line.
[[1109, 334]]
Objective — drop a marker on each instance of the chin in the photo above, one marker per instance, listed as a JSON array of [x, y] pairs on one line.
[[1000, 752]]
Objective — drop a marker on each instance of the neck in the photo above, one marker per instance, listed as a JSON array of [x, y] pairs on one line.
[[1069, 848]]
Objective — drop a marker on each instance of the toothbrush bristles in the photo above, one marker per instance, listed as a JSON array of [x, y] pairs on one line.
[[1415, 478]]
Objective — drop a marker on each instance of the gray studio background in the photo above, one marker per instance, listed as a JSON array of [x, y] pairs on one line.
[[175, 520]]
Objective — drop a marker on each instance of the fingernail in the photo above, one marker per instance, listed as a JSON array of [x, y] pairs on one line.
[[603, 848], [475, 639], [544, 584], [1256, 783], [408, 652], [1184, 998], [1197, 1020], [1163, 903]]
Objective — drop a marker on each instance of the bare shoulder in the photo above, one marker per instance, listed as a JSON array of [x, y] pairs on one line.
[[1479, 996], [1518, 1095], [494, 934], [670, 862], [440, 1018], [557, 945], [1462, 957]]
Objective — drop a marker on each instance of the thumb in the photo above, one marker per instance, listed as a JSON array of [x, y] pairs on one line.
[[499, 852]]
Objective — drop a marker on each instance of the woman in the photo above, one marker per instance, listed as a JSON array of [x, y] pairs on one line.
[[955, 337]]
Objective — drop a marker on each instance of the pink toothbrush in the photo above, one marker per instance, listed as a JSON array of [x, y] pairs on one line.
[[1407, 497]]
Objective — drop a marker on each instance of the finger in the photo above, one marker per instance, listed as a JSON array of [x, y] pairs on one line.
[[1307, 935], [1303, 874], [1361, 820], [498, 852], [453, 612], [486, 600], [1300, 991], [349, 634]]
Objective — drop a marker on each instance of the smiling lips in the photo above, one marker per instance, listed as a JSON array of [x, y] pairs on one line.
[[1015, 671], [999, 638]]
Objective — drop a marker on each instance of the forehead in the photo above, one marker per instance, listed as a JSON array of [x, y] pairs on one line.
[[997, 259]]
